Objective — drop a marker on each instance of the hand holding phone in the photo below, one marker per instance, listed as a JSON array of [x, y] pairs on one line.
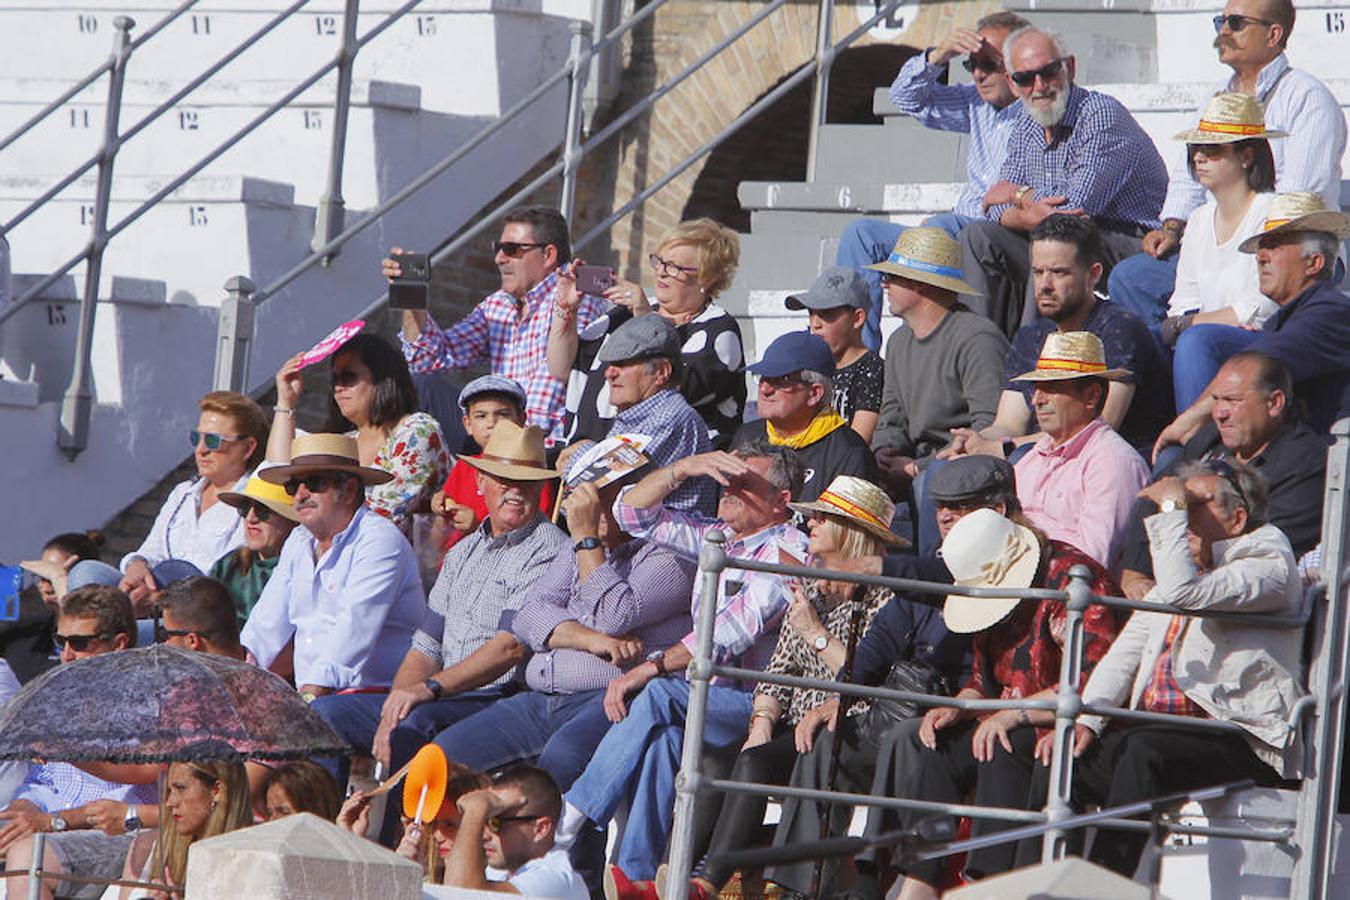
[[409, 289]]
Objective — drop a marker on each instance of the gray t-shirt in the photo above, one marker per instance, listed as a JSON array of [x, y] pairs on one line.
[[950, 379]]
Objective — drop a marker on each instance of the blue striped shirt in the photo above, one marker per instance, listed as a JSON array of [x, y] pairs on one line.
[[917, 92], [1309, 159], [1098, 159]]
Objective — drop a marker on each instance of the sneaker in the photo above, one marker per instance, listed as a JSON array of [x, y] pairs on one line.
[[619, 887]]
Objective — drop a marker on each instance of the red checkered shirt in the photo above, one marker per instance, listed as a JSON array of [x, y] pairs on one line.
[[1163, 694]]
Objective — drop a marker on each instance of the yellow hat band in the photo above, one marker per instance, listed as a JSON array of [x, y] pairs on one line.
[[852, 508], [1272, 224], [1230, 127], [1069, 365]]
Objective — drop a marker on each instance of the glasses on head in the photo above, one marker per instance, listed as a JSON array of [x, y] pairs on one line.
[[495, 823], [514, 249], [78, 642], [782, 382], [985, 64], [262, 512], [1221, 467], [346, 378], [1045, 73], [213, 441], [1236, 23], [315, 484], [162, 634], [669, 269]]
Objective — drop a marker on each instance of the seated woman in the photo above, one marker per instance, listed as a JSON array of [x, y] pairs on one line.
[[298, 787], [374, 401], [200, 800], [694, 262], [268, 517], [191, 526], [1217, 286]]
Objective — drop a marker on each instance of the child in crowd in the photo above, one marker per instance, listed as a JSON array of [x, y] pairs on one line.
[[837, 304], [485, 402]]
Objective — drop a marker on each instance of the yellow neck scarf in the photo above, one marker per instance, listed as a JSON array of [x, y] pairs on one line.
[[826, 421]]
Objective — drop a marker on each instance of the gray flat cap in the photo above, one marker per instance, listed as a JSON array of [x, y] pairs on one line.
[[969, 477], [836, 286], [641, 337]]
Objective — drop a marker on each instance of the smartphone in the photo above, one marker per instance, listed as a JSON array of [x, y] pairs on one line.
[[594, 280], [409, 290]]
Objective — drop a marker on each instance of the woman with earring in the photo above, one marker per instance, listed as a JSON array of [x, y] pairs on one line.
[[694, 262]]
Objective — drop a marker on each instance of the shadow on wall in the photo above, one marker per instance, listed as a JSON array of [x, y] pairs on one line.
[[773, 148]]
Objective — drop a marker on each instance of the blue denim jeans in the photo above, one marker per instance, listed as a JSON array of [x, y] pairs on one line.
[[560, 730], [1200, 351], [867, 241], [1143, 285], [638, 760]]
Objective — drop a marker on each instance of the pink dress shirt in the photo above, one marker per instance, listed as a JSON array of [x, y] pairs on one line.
[[1081, 491]]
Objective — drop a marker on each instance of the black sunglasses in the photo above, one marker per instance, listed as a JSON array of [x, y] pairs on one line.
[[1046, 72], [345, 377], [983, 63], [1221, 467], [315, 484], [213, 441], [162, 634], [78, 642], [514, 249], [1236, 23], [262, 512], [495, 823]]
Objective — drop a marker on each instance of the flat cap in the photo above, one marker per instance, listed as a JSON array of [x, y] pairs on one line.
[[968, 477], [641, 337]]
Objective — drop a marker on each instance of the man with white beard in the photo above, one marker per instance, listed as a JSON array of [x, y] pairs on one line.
[[1076, 152]]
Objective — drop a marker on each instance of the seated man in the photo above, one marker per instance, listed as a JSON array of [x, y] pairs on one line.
[[1253, 422], [346, 594], [596, 611], [90, 822], [796, 393], [197, 614], [1066, 269], [514, 841], [640, 755], [460, 661], [1073, 151], [1212, 549]]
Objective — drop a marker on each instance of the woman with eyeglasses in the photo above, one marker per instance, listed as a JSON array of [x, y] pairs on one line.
[[373, 400], [192, 526], [268, 517], [693, 263]]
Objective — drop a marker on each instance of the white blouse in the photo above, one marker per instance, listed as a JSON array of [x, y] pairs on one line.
[[1212, 276]]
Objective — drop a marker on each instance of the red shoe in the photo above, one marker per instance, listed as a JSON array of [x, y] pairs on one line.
[[698, 888], [619, 887]]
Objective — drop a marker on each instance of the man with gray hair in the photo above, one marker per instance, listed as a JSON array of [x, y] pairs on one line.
[[1074, 151]]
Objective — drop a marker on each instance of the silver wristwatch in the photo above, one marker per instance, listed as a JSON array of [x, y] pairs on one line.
[[58, 824], [821, 642]]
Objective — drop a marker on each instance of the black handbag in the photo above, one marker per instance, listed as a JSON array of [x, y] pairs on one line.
[[905, 675]]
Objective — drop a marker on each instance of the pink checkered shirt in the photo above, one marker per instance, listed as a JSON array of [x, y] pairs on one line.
[[513, 344]]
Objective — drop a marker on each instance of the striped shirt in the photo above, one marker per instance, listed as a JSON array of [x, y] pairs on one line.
[[1309, 159], [512, 340], [1098, 159], [917, 93], [750, 606], [641, 589]]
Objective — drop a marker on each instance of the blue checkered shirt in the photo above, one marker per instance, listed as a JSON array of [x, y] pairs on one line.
[[1098, 159], [676, 432]]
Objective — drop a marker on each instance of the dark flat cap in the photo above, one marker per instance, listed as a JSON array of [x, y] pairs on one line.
[[969, 477], [641, 337]]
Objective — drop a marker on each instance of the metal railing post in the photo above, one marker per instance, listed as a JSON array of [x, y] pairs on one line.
[[820, 87], [234, 336], [578, 64], [331, 213], [712, 560], [1067, 707], [35, 865], [73, 432]]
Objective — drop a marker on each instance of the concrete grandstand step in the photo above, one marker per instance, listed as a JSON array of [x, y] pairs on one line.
[[856, 198], [900, 146]]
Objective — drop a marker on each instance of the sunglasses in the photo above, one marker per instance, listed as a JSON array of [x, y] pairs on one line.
[[262, 512], [782, 382], [1221, 467], [495, 823], [1236, 23], [669, 269], [1045, 73], [213, 441], [162, 634], [78, 642], [315, 484], [984, 63], [346, 378], [514, 249]]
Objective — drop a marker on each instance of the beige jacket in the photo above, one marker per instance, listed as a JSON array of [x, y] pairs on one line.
[[1245, 674]]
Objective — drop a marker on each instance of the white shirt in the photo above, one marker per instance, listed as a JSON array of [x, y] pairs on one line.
[[550, 875], [1212, 276], [352, 611], [182, 532]]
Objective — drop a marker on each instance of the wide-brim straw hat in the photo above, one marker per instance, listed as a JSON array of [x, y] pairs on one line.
[[860, 502], [1229, 118], [313, 453], [928, 255], [1299, 211], [987, 550], [272, 496], [514, 453], [1071, 354]]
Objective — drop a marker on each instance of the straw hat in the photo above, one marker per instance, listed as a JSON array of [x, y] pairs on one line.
[[514, 453], [1229, 118], [986, 550], [312, 453], [1299, 211], [859, 501], [1071, 354], [272, 496], [928, 255]]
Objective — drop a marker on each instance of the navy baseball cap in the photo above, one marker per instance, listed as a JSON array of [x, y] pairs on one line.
[[796, 351]]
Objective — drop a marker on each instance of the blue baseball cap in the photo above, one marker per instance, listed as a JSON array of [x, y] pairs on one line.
[[796, 351]]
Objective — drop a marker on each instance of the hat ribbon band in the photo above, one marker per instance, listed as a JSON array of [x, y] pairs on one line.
[[910, 262], [1231, 127], [1069, 365], [1272, 224], [852, 508], [512, 461], [996, 570], [310, 460]]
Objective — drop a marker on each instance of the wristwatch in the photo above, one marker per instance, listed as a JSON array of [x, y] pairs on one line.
[[1170, 505], [58, 823], [132, 823], [658, 659], [821, 642], [1021, 192], [589, 543], [437, 689]]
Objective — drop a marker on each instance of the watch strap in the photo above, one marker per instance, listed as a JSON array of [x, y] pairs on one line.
[[435, 687], [588, 543]]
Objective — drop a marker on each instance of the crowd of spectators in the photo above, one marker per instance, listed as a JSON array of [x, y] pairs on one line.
[[1168, 434]]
